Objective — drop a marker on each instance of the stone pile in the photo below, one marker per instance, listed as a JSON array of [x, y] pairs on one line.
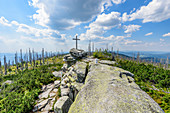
[[78, 53], [72, 79], [47, 97]]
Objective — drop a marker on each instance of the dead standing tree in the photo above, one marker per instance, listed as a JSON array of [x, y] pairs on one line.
[[138, 57], [26, 60], [40, 60], [42, 55], [30, 57], [167, 62], [16, 62], [21, 60], [37, 59], [33, 55], [0, 67], [5, 65]]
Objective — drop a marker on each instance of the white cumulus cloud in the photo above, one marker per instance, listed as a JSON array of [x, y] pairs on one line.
[[118, 1], [103, 23], [149, 34], [131, 41], [155, 11], [4, 21], [32, 31], [66, 14], [167, 34], [131, 28]]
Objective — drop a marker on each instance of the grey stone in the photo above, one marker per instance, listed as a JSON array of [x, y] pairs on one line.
[[107, 62], [57, 82], [55, 90], [45, 94], [65, 91], [64, 68], [66, 79], [49, 86], [52, 94], [74, 90], [40, 105], [57, 74], [80, 69], [62, 105], [70, 68], [44, 88], [7, 82], [88, 60], [46, 109], [68, 57], [63, 83], [78, 53], [106, 92], [70, 60]]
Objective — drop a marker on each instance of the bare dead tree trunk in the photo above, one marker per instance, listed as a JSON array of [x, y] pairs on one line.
[[40, 61], [5, 65], [30, 57], [33, 57], [43, 55]]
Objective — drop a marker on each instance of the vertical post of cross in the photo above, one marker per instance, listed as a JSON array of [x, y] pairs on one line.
[[76, 41]]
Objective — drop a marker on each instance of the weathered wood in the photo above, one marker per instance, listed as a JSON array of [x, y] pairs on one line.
[[5, 65], [138, 57], [5, 68], [21, 60], [46, 54], [0, 67], [167, 62], [16, 60], [12, 62], [30, 57], [33, 57], [43, 55], [37, 58], [40, 60], [8, 66]]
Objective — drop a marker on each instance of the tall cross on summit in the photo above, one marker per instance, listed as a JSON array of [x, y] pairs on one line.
[[76, 41]]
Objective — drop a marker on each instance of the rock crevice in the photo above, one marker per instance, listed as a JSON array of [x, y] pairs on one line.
[[106, 92]]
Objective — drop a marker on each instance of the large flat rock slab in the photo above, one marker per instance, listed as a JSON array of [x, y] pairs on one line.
[[80, 69], [107, 62], [110, 89]]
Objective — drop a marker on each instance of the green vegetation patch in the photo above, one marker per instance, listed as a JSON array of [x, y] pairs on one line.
[[155, 81], [20, 96]]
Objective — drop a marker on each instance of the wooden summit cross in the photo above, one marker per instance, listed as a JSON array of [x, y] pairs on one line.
[[76, 41]]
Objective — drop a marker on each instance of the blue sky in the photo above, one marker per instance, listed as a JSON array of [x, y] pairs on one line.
[[127, 25]]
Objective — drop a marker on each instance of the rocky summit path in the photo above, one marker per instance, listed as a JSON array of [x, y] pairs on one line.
[[90, 87]]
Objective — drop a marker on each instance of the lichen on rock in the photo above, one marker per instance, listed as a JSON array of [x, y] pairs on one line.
[[105, 91]]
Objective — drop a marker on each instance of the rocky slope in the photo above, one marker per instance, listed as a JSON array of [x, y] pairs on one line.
[[110, 89], [92, 86]]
